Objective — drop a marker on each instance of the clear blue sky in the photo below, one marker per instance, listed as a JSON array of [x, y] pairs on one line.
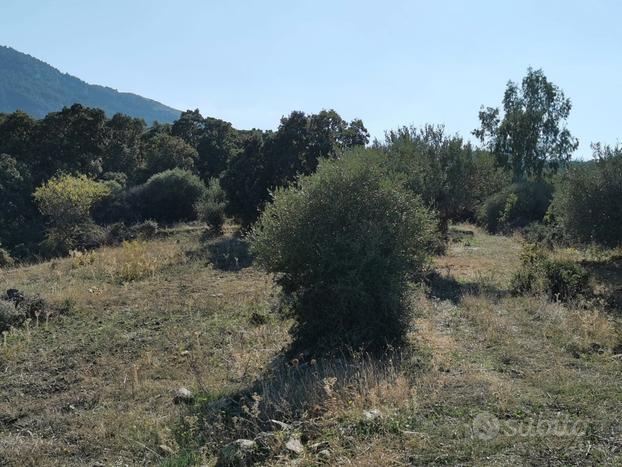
[[387, 62]]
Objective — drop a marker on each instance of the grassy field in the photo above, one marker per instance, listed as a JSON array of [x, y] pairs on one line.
[[488, 379]]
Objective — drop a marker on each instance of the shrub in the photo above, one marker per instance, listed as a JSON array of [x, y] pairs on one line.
[[117, 233], [343, 243], [67, 201], [211, 207], [515, 206], [169, 196], [588, 203], [61, 240], [144, 230], [558, 279], [547, 234]]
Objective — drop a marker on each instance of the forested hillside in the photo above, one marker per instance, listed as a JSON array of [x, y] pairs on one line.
[[33, 86]]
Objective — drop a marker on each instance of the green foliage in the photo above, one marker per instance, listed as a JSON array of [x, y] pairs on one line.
[[169, 196], [515, 206], [449, 176], [60, 240], [531, 135], [211, 206], [67, 202], [588, 203], [269, 160], [559, 280], [246, 181], [546, 233], [215, 140], [343, 243], [165, 152], [67, 199], [20, 220]]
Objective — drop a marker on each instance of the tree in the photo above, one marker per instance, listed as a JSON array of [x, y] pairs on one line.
[[73, 140], [189, 127], [437, 167], [246, 181], [217, 145], [20, 222], [165, 152], [531, 135], [272, 159], [123, 153], [588, 203], [343, 243]]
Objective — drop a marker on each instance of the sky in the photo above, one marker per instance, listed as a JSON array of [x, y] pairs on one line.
[[390, 63]]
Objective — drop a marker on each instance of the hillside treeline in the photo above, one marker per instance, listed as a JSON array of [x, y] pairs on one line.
[[70, 179]]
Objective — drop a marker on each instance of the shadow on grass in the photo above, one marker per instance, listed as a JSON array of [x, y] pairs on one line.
[[226, 253], [608, 274], [446, 287], [254, 423]]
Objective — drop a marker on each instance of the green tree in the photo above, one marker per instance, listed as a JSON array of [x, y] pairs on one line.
[[343, 243], [70, 141], [437, 167], [588, 202], [531, 135], [20, 222], [123, 151], [165, 152]]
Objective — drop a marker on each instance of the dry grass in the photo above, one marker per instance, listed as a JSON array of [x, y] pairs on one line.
[[95, 384]]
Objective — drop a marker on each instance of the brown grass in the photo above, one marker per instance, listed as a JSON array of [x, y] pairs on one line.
[[95, 384]]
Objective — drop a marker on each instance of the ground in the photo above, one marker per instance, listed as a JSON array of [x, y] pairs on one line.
[[488, 378]]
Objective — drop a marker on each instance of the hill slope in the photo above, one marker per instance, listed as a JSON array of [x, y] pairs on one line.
[[37, 88]]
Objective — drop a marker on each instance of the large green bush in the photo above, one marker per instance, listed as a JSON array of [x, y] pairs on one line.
[[515, 206], [343, 243], [588, 203], [169, 196]]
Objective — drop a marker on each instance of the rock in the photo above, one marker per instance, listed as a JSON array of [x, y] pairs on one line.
[[294, 445], [183, 396], [240, 453], [372, 414]]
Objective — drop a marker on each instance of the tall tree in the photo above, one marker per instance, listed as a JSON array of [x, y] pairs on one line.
[[531, 135]]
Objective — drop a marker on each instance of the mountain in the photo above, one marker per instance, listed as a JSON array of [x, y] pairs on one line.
[[37, 88]]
